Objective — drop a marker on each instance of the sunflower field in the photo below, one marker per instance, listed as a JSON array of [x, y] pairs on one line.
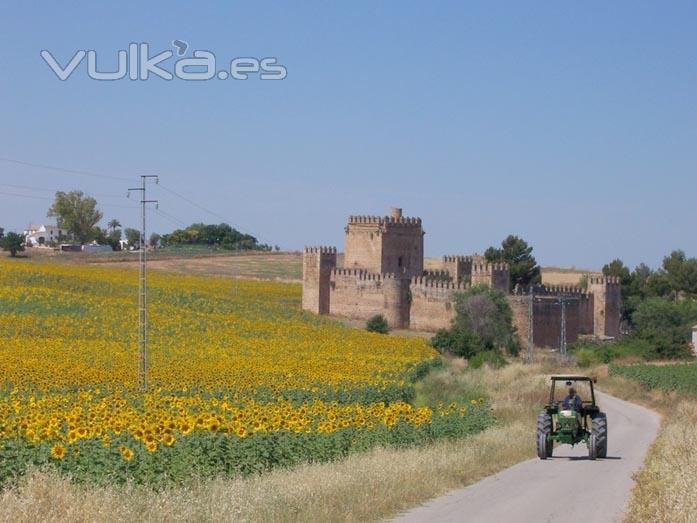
[[241, 380]]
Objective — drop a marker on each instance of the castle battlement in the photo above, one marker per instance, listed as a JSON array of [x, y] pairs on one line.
[[454, 258], [566, 290], [357, 274], [385, 221], [488, 268], [319, 250], [426, 283], [603, 280]]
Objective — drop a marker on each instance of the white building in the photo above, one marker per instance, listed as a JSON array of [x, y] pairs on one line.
[[42, 234]]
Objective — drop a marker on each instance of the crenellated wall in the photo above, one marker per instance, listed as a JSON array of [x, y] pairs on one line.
[[494, 275], [432, 303], [356, 294], [459, 267]]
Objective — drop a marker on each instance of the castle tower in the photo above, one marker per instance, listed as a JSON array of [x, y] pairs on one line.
[[459, 267], [389, 244], [607, 305], [494, 275], [318, 263], [396, 293]]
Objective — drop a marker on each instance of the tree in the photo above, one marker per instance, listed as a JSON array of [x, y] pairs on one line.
[[2, 233], [12, 243], [114, 239], [154, 239], [518, 254], [681, 273], [666, 324], [378, 324], [132, 237], [114, 224], [483, 322], [76, 213]]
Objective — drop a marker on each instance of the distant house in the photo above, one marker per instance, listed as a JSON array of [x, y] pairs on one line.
[[38, 235]]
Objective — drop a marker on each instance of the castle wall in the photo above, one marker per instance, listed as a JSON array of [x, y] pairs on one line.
[[432, 304], [356, 294], [318, 262], [520, 307], [547, 322], [546, 317]]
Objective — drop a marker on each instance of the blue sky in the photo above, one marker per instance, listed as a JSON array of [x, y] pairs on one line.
[[572, 125]]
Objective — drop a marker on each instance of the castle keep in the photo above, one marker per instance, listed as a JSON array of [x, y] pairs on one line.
[[383, 273]]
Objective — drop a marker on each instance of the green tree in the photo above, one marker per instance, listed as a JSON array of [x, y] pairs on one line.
[[12, 243], [132, 237], [114, 239], [681, 273], [114, 224], [483, 322], [154, 239], [77, 213], [518, 254], [666, 324]]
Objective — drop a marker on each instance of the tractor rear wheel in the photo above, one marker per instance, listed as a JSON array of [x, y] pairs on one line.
[[592, 447], [544, 430], [599, 429]]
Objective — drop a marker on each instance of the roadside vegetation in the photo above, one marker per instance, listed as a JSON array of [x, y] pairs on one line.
[[666, 486]]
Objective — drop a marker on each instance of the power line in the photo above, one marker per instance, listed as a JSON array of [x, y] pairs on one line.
[[201, 207], [44, 189], [65, 170], [47, 198]]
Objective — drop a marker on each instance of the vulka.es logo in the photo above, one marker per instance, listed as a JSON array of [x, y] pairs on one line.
[[137, 63]]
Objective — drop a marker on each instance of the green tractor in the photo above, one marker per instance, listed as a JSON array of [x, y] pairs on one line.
[[572, 420]]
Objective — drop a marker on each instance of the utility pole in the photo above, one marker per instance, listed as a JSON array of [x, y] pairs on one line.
[[531, 324], [143, 287], [562, 341]]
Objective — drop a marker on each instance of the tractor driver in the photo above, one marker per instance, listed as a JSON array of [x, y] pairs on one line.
[[573, 401]]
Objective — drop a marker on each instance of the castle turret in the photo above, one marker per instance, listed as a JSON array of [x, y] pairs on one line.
[[396, 293], [494, 275], [318, 263], [607, 305]]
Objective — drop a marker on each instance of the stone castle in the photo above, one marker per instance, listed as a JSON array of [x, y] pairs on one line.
[[383, 273]]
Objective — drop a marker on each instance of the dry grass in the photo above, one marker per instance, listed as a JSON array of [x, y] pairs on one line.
[[565, 276], [364, 487], [666, 486]]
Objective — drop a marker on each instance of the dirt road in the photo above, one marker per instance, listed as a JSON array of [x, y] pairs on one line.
[[568, 488]]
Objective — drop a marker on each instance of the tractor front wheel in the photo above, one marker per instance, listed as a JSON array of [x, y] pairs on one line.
[[544, 429]]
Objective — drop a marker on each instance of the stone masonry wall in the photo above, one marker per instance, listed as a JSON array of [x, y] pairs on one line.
[[432, 304]]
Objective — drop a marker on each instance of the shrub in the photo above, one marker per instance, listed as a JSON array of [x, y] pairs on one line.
[[378, 324], [492, 358], [459, 342], [590, 353]]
